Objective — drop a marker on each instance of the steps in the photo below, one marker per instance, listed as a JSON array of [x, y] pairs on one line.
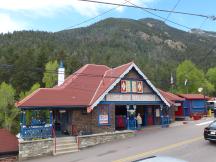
[[65, 145]]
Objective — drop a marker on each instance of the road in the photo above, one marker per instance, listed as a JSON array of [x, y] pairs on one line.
[[184, 142]]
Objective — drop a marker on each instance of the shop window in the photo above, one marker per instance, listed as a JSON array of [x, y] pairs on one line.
[[103, 115]]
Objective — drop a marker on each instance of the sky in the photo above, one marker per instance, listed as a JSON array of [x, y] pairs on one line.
[[57, 15]]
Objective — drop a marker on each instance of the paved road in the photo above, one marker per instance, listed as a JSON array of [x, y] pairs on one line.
[[184, 142]]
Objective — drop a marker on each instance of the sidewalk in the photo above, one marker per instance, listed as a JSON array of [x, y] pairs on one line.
[[174, 124]]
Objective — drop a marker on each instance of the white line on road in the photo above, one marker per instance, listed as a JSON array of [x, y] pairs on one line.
[[204, 123]]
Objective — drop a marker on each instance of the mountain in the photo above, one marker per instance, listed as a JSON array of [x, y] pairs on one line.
[[154, 46]]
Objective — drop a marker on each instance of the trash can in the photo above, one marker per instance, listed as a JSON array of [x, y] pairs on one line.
[[209, 112]]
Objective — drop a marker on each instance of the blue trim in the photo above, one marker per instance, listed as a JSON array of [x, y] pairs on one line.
[[132, 102]]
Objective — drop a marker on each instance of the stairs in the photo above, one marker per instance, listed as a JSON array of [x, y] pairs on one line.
[[65, 145]]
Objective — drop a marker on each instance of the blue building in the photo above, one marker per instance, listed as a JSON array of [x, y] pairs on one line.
[[194, 104]]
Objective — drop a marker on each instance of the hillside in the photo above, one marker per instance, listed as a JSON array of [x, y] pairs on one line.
[[154, 46]]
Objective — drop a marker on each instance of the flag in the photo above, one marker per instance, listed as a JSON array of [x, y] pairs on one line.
[[171, 79], [185, 83]]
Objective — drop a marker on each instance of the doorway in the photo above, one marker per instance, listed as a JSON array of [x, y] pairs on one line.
[[120, 117]]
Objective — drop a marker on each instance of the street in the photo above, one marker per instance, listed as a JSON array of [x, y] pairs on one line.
[[184, 142]]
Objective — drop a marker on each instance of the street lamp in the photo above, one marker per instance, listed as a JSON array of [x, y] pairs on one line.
[[200, 89]]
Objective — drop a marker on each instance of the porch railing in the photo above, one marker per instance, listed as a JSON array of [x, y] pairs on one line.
[[36, 132]]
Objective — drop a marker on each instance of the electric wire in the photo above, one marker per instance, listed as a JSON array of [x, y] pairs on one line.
[[152, 9], [93, 18]]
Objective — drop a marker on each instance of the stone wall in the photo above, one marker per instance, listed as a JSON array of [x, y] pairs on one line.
[[92, 140], [35, 148]]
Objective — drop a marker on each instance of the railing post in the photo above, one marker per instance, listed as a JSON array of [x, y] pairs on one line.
[[24, 118], [51, 123]]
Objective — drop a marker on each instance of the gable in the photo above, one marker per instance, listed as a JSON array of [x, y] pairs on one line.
[[119, 73], [132, 75]]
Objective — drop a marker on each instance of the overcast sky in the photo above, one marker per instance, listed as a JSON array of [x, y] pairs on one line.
[[56, 15]]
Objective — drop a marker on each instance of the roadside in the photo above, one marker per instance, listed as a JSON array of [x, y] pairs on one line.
[[151, 138]]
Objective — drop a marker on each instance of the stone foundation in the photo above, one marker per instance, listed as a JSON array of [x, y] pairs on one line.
[[35, 148], [95, 139]]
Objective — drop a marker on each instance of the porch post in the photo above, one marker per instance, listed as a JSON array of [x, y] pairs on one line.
[[51, 118], [128, 106], [24, 119], [134, 106]]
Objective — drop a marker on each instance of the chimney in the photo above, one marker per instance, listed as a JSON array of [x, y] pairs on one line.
[[61, 73]]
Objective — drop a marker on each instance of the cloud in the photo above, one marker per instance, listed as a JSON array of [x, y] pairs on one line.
[[8, 24], [51, 7]]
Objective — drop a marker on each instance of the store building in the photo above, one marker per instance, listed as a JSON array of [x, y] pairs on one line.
[[97, 99], [176, 102], [194, 104]]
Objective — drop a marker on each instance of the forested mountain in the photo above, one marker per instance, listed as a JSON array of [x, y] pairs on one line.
[[154, 46]]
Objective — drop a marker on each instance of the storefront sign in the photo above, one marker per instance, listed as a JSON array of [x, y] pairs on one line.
[[103, 114], [103, 119]]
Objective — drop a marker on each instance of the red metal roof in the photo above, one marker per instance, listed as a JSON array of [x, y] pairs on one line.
[[194, 96], [82, 88], [170, 97], [8, 142]]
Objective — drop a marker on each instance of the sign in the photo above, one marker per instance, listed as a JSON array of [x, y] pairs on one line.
[[123, 86], [134, 86], [157, 112], [103, 114], [139, 86], [177, 104], [103, 119]]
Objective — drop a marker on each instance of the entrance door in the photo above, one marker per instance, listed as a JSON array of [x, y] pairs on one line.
[[63, 121], [150, 115], [121, 117]]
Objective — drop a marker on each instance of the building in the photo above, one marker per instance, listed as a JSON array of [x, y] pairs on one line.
[[194, 104], [97, 99], [176, 102], [8, 146]]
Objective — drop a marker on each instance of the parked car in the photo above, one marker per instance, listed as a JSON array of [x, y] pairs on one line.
[[159, 159], [210, 132]]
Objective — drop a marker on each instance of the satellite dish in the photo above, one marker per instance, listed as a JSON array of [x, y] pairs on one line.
[[200, 89]]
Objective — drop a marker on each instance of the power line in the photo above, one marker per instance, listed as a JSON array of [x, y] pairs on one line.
[[173, 9], [146, 10], [99, 15], [76, 73], [152, 9]]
